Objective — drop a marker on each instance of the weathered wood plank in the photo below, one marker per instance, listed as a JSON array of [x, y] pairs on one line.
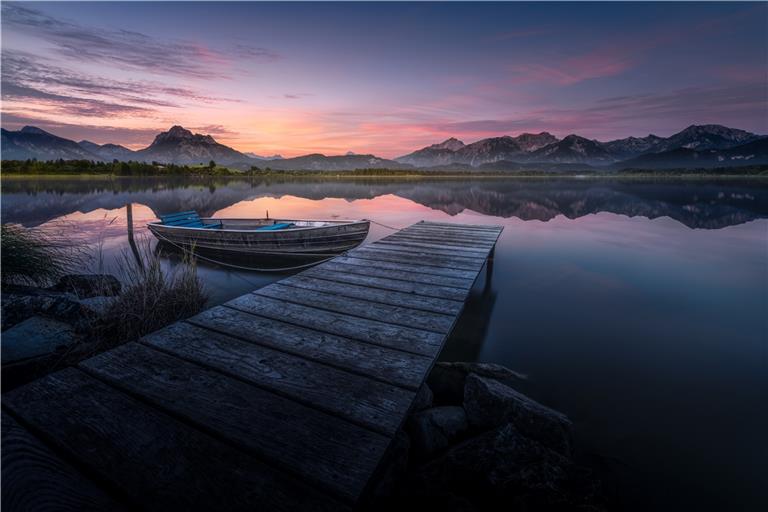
[[159, 462], [405, 316], [457, 295], [444, 241], [388, 365], [478, 235], [364, 268], [35, 478], [391, 246], [364, 401], [407, 267], [462, 226], [455, 235], [419, 303], [370, 331], [369, 252], [319, 447], [453, 229], [404, 242]]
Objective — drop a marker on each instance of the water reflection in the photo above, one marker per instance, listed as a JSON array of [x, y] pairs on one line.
[[636, 307], [697, 204]]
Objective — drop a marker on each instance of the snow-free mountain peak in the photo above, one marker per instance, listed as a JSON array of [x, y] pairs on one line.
[[452, 144]]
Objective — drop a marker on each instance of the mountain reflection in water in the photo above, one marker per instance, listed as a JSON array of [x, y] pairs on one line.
[[708, 204]]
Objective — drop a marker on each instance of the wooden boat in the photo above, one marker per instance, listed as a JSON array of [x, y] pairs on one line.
[[283, 237]]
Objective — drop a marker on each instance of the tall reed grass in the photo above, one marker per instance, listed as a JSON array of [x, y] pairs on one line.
[[152, 297], [35, 257]]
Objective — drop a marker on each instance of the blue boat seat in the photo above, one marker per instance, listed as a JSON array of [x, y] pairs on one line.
[[276, 226], [189, 219]]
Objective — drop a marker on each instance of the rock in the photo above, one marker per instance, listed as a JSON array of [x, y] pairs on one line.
[[423, 399], [490, 404], [432, 430], [17, 308], [503, 463], [97, 306], [36, 337], [447, 378], [88, 285]]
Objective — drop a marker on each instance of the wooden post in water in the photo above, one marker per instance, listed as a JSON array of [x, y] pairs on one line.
[[489, 270], [131, 241]]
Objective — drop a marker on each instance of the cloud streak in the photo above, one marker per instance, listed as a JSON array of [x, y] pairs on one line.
[[131, 49]]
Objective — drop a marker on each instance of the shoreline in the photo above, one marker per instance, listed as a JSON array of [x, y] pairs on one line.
[[330, 175]]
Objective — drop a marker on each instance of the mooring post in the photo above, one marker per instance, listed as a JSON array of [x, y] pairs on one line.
[[131, 241], [489, 270]]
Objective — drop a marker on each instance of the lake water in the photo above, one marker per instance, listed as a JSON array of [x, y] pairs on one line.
[[639, 308]]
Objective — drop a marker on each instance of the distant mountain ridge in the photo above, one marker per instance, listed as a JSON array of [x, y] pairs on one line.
[[574, 149], [695, 146]]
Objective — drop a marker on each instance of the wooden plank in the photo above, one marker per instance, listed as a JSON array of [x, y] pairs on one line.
[[388, 365], [34, 478], [405, 316], [370, 331], [361, 400], [363, 267], [454, 230], [319, 447], [419, 303], [369, 253], [462, 226], [158, 461], [455, 235], [406, 267], [476, 245], [404, 242], [445, 241], [392, 246], [457, 295]]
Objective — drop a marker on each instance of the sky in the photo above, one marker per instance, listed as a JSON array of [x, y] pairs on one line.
[[380, 78]]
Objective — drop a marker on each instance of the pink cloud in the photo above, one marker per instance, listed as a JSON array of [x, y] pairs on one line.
[[597, 64]]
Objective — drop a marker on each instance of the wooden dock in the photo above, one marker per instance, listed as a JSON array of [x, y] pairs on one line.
[[286, 398]]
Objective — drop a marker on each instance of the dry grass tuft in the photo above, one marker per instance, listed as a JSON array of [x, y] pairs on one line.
[[152, 297]]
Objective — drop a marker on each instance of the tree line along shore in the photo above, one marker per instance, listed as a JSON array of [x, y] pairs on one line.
[[134, 168]]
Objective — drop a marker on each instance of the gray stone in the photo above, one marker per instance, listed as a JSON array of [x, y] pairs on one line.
[[447, 378], [501, 463], [490, 404], [89, 285], [423, 399], [35, 337], [434, 429], [17, 307], [97, 306]]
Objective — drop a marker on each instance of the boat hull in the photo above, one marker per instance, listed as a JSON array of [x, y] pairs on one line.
[[237, 236]]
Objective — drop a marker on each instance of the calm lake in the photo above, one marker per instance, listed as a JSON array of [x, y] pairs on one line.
[[637, 307]]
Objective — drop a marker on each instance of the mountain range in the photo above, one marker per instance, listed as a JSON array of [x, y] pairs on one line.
[[694, 147]]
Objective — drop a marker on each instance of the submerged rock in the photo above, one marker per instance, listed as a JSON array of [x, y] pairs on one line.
[[504, 463], [89, 285], [433, 430], [447, 379], [490, 404]]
